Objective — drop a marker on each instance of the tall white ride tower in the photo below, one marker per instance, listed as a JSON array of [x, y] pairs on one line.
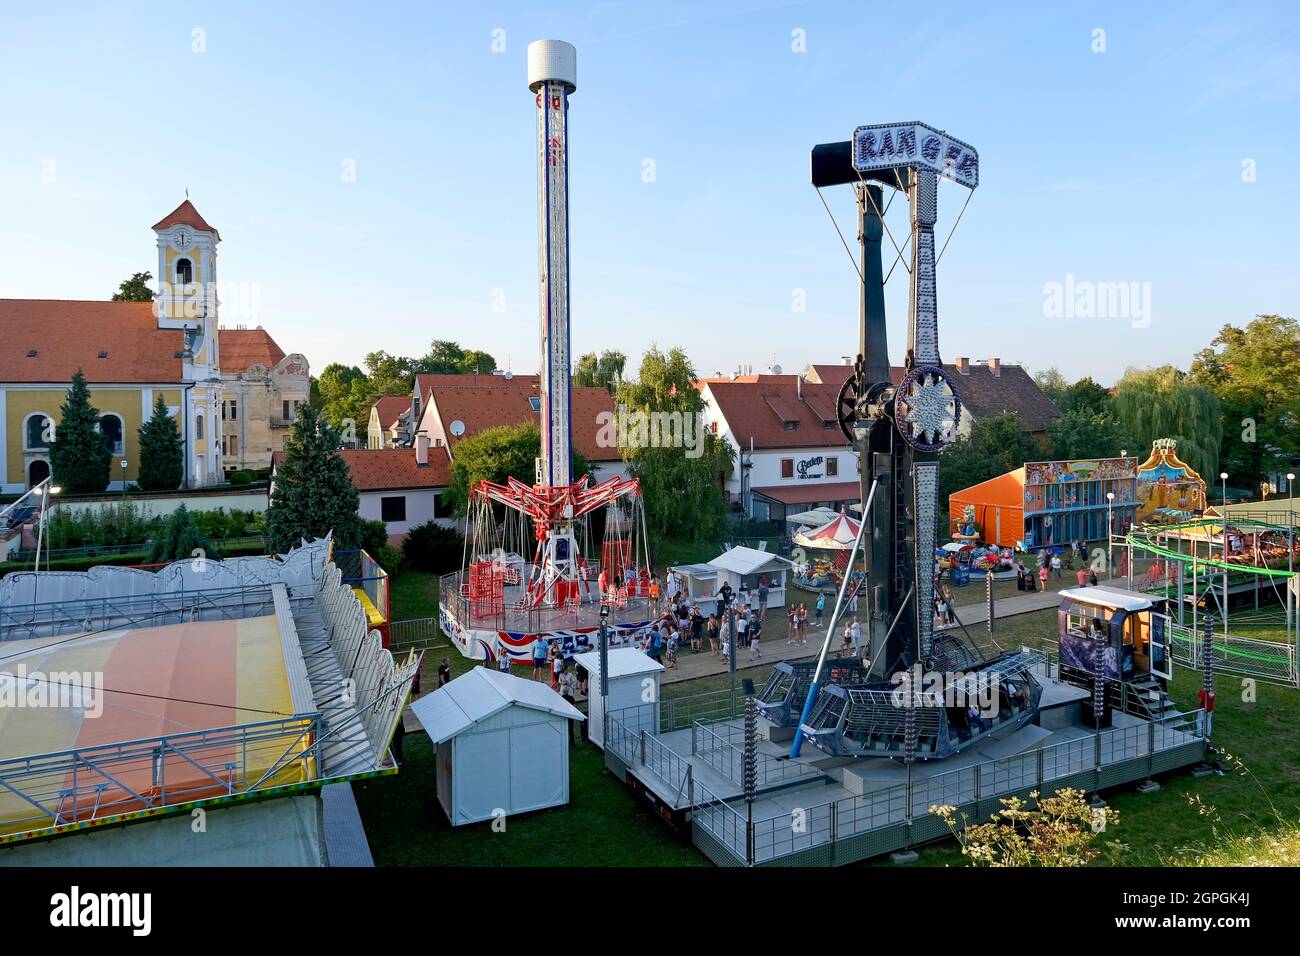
[[552, 76]]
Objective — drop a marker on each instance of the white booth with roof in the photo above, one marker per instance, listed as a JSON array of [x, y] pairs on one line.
[[502, 744], [744, 568], [633, 683]]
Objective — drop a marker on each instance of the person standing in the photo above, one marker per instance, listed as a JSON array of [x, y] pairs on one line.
[[541, 650], [856, 633], [712, 630], [444, 673], [1056, 566], [672, 586], [568, 685], [820, 606], [762, 595], [1042, 577], [803, 623], [742, 629], [792, 618], [697, 628]]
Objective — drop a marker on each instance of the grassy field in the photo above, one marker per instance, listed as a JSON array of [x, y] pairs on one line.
[[1247, 817]]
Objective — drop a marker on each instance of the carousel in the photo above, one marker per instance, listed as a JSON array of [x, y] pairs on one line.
[[824, 553]]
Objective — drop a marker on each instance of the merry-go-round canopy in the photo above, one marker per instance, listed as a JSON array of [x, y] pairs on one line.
[[838, 534], [813, 518]]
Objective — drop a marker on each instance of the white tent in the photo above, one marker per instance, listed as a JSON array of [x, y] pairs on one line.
[[812, 519], [699, 581], [503, 744], [745, 568], [633, 691]]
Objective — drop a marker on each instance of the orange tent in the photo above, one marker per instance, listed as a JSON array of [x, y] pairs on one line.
[[999, 506]]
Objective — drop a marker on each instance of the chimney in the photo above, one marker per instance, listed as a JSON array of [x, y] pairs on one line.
[[995, 367], [422, 449], [963, 365]]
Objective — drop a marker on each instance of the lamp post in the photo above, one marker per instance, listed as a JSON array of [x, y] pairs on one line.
[[1223, 477], [1290, 524], [1110, 534], [123, 463]]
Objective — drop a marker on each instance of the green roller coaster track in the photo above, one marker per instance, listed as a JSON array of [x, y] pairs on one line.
[[1144, 538]]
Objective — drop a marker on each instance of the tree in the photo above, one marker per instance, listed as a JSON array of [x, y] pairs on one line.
[[603, 372], [495, 454], [80, 458], [1053, 384], [135, 289], [993, 447], [1164, 403], [1080, 433], [180, 539], [313, 491], [680, 486], [343, 394], [1254, 372], [444, 357], [162, 465]]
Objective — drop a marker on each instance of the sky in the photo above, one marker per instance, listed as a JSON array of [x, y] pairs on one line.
[[371, 169]]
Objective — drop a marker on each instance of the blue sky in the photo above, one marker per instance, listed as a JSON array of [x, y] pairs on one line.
[[1123, 165]]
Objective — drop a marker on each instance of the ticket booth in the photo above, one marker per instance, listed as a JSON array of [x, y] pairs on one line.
[[1132, 628]]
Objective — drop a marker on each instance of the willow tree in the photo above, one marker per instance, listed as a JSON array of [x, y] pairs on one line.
[[681, 473], [1164, 402]]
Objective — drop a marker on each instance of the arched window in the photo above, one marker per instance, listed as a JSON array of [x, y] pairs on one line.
[[36, 431], [111, 427], [198, 426], [37, 472], [184, 272]]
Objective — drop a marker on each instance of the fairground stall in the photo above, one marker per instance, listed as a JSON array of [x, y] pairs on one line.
[[1050, 503]]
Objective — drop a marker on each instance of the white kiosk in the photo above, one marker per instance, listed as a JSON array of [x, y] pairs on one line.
[[633, 682]]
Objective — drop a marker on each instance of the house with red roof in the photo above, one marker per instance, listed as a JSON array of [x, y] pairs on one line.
[[262, 389]]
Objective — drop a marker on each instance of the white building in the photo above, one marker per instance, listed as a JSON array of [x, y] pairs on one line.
[[502, 742], [633, 691], [402, 487]]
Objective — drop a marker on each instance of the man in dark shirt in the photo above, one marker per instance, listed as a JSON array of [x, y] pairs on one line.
[[444, 673]]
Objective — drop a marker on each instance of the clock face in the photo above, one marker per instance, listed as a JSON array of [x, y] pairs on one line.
[[182, 239]]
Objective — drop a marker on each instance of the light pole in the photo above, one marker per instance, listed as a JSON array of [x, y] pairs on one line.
[[1223, 476], [1110, 534], [1290, 524], [123, 463]]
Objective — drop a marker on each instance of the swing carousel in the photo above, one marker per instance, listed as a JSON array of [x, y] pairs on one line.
[[526, 576]]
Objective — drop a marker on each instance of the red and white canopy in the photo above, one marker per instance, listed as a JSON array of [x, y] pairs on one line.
[[838, 534]]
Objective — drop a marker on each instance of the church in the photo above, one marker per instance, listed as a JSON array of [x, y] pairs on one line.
[[132, 352]]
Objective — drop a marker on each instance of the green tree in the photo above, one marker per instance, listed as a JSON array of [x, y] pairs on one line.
[[994, 446], [476, 362], [313, 491], [343, 394], [1254, 372], [682, 491], [162, 465], [135, 289], [443, 358], [1080, 433], [1165, 403], [605, 371], [80, 458], [495, 454], [180, 539], [1053, 384]]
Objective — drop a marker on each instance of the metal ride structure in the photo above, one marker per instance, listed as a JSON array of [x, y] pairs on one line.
[[557, 581], [899, 431]]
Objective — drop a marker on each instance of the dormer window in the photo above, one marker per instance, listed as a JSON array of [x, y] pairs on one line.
[[184, 272]]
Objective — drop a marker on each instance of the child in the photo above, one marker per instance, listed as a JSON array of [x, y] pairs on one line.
[[754, 652], [821, 606], [673, 639], [791, 616]]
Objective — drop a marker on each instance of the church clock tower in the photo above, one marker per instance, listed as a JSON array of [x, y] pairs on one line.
[[187, 300]]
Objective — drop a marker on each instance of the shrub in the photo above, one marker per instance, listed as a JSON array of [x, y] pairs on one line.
[[180, 538], [374, 537], [242, 477], [390, 559], [431, 547]]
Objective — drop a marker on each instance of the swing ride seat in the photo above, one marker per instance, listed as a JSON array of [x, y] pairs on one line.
[[871, 720], [782, 698]]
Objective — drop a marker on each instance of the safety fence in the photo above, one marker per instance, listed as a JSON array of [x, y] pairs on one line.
[[861, 826], [1271, 661]]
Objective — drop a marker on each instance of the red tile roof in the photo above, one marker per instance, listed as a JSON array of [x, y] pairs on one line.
[[68, 334], [806, 494], [393, 469], [481, 407], [390, 407], [424, 383], [241, 349], [187, 214], [760, 410]]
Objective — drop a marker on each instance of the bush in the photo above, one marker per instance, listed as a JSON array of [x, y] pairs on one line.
[[390, 559], [241, 477], [431, 547], [180, 538], [374, 537]]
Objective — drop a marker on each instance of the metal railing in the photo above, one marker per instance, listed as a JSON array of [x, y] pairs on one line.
[[1270, 661], [54, 618], [417, 633], [722, 747], [510, 616], [94, 783], [976, 788], [220, 545]]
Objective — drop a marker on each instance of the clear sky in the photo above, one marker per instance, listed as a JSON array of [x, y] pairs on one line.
[[1169, 159]]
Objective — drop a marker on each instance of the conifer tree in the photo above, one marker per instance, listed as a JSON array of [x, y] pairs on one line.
[[161, 455], [313, 491], [80, 459]]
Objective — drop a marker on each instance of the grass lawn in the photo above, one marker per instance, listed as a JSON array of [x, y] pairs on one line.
[[605, 825]]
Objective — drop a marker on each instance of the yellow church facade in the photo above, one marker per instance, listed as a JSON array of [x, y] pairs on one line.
[[130, 353]]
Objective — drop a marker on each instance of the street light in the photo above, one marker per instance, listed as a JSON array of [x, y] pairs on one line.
[[123, 463], [1110, 534], [1223, 475], [1290, 524]]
